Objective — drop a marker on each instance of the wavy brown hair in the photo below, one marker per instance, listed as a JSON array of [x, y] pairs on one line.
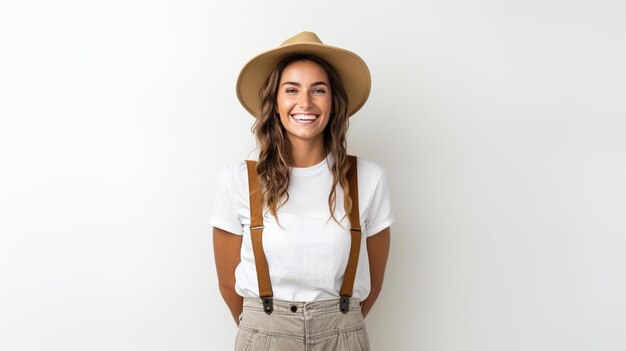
[[275, 148]]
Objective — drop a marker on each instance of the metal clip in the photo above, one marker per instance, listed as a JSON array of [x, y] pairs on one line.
[[268, 305], [344, 304]]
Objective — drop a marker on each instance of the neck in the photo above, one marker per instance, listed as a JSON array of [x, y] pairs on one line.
[[306, 154]]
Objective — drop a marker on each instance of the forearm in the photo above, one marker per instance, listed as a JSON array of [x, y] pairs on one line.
[[233, 301], [226, 247], [378, 251], [368, 303]]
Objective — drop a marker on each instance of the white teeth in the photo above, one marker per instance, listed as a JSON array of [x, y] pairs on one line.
[[305, 118]]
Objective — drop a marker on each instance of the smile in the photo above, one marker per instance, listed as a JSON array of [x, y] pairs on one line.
[[304, 118]]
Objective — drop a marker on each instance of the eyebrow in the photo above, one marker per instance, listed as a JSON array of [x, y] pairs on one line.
[[298, 84]]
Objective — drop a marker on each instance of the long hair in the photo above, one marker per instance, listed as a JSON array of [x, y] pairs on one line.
[[275, 149]]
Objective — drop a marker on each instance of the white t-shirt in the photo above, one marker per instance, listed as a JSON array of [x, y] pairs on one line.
[[307, 257]]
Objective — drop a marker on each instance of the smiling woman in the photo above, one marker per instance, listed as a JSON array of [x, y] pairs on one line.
[[289, 86], [287, 229], [304, 104]]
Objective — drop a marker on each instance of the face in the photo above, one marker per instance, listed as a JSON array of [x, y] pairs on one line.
[[304, 102]]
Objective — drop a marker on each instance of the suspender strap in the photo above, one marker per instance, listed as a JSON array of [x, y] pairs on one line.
[[256, 233], [355, 233]]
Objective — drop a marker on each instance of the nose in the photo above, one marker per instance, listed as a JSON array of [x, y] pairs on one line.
[[304, 101]]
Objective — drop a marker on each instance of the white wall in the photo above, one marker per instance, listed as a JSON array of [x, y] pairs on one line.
[[501, 124]]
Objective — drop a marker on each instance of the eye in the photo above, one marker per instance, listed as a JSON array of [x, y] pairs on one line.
[[291, 90], [319, 91]]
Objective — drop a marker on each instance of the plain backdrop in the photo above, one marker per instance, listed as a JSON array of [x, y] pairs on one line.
[[501, 125]]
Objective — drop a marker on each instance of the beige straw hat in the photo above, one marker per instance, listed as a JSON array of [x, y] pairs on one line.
[[352, 70]]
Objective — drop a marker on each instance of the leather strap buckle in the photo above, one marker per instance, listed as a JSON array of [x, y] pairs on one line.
[[344, 304], [268, 305]]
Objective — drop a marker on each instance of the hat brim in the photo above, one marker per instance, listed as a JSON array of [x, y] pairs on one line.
[[352, 70]]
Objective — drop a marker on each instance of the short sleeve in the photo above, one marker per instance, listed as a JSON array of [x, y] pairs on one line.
[[379, 215], [227, 203]]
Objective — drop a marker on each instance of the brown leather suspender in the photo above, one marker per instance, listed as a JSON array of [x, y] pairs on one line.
[[355, 236], [256, 234]]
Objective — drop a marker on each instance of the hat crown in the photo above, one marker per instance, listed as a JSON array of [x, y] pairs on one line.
[[303, 37]]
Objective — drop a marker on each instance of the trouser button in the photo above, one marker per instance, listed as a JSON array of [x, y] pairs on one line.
[[294, 308]]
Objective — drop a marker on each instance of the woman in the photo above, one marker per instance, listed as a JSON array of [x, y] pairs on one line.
[[287, 230]]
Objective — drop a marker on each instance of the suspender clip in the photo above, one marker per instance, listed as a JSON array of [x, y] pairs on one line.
[[344, 304], [268, 305]]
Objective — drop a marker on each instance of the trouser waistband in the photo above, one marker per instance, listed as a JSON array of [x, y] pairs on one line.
[[300, 307], [304, 323]]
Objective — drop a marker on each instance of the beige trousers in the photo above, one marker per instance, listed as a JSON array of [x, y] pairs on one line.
[[306, 326]]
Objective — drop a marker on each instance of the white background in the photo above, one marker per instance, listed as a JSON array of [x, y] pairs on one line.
[[501, 124]]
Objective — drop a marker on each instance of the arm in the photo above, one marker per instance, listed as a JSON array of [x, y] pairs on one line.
[[377, 252], [227, 248]]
